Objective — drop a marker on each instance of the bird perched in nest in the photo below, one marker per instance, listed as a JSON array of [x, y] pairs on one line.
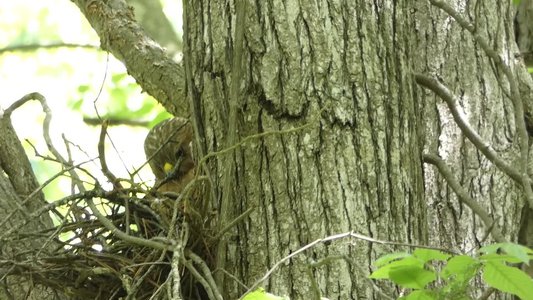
[[168, 148]]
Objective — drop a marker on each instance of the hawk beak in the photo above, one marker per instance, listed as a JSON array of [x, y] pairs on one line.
[[168, 168], [172, 171]]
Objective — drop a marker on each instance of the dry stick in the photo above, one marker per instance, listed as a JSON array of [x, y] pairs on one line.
[[228, 196], [177, 256], [207, 273], [33, 47], [101, 154], [50, 145], [198, 277], [185, 193], [252, 137], [47, 208], [109, 175], [108, 224], [137, 283], [516, 98], [464, 198], [39, 189], [175, 271], [114, 230]]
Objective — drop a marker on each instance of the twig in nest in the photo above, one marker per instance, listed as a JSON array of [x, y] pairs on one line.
[[101, 154]]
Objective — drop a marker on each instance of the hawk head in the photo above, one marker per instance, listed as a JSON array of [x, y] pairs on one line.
[[169, 152]]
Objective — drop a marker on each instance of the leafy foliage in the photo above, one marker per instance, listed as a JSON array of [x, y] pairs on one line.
[[432, 274], [122, 101], [261, 294]]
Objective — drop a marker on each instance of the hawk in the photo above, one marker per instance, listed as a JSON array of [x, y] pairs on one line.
[[168, 149]]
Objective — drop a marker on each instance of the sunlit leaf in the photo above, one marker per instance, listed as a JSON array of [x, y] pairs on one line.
[[411, 276], [430, 254], [508, 279]]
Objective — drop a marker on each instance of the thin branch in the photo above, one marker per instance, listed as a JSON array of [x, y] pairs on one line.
[[194, 272], [207, 273], [233, 222], [463, 196], [122, 36], [122, 235], [103, 162], [38, 190], [24, 48], [115, 122], [442, 91]]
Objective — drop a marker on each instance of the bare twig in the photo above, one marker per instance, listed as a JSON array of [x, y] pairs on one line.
[[23, 48], [114, 122], [442, 91], [103, 162], [194, 272], [206, 272], [122, 235], [463, 196]]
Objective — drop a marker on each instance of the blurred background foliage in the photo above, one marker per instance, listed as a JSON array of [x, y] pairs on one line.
[[48, 47]]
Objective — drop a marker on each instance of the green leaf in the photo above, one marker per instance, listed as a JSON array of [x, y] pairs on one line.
[[260, 294], [515, 253], [419, 295], [508, 279], [494, 257], [411, 276], [493, 248], [160, 117], [117, 78], [75, 104], [385, 259], [516, 2], [429, 254], [461, 266], [520, 252], [82, 89], [383, 272]]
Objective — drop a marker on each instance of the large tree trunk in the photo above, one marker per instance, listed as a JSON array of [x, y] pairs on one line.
[[345, 72]]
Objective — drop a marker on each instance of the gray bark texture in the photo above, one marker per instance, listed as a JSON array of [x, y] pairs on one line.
[[345, 69]]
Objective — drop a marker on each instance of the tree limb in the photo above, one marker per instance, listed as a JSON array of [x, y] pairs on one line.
[[157, 73]]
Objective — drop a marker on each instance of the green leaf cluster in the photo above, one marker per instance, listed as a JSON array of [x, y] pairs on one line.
[[432, 274]]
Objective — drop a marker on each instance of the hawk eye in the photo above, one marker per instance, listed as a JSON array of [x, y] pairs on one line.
[[180, 153]]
